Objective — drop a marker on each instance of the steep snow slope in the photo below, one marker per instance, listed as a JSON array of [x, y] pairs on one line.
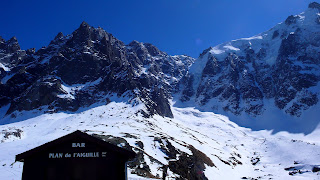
[[275, 72], [214, 147], [269, 81]]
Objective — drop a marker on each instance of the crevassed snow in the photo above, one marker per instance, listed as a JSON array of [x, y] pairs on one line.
[[216, 50], [257, 42], [222, 48], [231, 47], [306, 20]]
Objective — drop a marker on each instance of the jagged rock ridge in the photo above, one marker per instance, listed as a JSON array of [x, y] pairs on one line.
[[91, 66], [243, 77], [275, 71], [86, 67]]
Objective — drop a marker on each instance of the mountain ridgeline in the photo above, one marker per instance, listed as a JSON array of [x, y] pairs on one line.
[[271, 77], [270, 80], [89, 66]]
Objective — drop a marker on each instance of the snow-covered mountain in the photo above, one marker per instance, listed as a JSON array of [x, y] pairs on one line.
[[193, 145], [270, 77], [273, 75], [86, 67], [163, 107]]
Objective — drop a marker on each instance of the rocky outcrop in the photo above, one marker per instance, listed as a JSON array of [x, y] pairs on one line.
[[276, 70], [86, 67], [280, 65]]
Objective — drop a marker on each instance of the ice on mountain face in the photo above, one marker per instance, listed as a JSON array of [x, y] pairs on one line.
[[230, 47], [216, 50], [122, 93], [251, 38], [239, 78], [307, 20]]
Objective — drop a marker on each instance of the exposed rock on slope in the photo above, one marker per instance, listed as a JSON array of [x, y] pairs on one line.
[[278, 69], [86, 67], [274, 73], [192, 145]]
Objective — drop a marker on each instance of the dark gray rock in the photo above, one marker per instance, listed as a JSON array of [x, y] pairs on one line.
[[291, 20], [90, 55], [314, 5], [280, 65]]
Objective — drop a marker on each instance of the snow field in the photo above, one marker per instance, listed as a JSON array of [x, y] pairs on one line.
[[223, 141]]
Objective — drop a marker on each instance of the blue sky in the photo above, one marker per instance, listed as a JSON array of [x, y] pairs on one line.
[[174, 26]]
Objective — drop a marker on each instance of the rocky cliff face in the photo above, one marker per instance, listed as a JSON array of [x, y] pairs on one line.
[[266, 78], [275, 72], [280, 66], [87, 67]]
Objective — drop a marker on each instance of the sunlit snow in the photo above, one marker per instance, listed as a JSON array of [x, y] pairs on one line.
[[213, 134]]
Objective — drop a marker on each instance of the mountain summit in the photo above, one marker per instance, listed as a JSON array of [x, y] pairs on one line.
[[314, 5], [139, 98], [264, 81], [86, 67]]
